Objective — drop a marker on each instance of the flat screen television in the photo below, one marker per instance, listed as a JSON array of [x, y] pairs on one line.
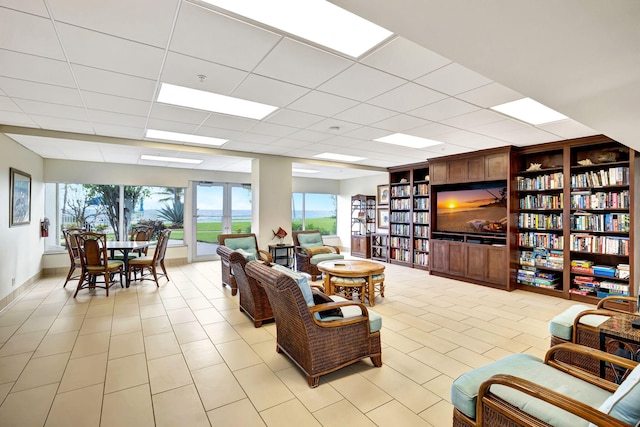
[[479, 208]]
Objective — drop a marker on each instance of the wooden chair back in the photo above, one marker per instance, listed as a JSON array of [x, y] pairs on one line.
[[93, 249], [141, 233]]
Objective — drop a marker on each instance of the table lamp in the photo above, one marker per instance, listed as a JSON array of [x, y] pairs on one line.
[[280, 234]]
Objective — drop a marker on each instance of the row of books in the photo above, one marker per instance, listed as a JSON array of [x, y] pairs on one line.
[[400, 204], [400, 190], [540, 182], [399, 229], [540, 221], [600, 200], [421, 189], [421, 231], [399, 254], [545, 240], [533, 277], [542, 257], [421, 203], [602, 178], [611, 245], [542, 201], [421, 258], [616, 222], [601, 288], [421, 217], [399, 217], [621, 271]]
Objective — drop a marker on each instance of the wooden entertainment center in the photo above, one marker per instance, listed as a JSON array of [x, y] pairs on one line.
[[555, 218]]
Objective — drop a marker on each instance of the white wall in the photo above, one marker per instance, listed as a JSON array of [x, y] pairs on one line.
[[21, 248]]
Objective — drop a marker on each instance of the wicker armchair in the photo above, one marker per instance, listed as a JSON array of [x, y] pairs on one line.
[[253, 298], [246, 242], [581, 394], [318, 347], [308, 263]]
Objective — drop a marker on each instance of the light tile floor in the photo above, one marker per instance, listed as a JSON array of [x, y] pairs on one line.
[[184, 355]]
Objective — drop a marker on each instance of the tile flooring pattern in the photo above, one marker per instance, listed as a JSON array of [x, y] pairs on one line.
[[185, 355]]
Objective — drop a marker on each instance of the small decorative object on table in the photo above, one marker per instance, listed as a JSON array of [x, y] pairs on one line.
[[585, 162], [534, 167], [280, 234]]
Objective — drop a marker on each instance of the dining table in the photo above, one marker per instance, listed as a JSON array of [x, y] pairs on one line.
[[127, 246]]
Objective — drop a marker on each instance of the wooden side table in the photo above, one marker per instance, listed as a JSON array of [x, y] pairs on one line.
[[618, 329], [283, 255]]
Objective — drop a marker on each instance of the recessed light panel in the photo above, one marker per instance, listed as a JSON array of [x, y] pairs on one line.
[[315, 20], [408, 140], [209, 101], [170, 159], [530, 111], [340, 157], [304, 170], [183, 137]]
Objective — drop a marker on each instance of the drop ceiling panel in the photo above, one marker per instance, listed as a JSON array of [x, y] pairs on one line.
[[41, 92], [365, 114], [206, 34], [431, 130], [568, 129], [272, 129], [293, 118], [16, 119], [407, 97], [323, 104], [453, 79], [490, 95], [117, 84], [254, 138], [27, 33], [66, 125], [6, 104], [268, 91], [230, 122], [100, 101], [367, 133], [52, 110], [118, 131], [310, 136], [406, 59], [361, 82], [34, 7], [473, 119], [183, 70], [341, 141], [145, 21], [400, 123], [109, 117], [289, 143], [301, 64], [271, 149], [217, 132], [529, 135], [325, 127], [171, 126], [441, 110], [111, 53], [250, 147], [178, 114], [34, 68]]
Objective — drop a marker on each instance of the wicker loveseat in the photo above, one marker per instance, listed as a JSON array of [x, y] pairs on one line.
[[310, 250], [318, 346], [247, 245], [522, 390]]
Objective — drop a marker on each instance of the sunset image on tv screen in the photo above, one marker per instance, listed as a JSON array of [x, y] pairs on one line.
[[473, 210]]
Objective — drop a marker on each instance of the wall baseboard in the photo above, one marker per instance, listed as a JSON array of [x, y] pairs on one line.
[[13, 296]]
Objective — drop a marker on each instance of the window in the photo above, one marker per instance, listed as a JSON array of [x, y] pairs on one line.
[[314, 212], [97, 208]]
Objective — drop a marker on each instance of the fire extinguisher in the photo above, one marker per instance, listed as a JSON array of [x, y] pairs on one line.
[[44, 227]]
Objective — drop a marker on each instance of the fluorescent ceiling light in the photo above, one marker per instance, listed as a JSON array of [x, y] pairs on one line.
[[170, 159], [315, 20], [408, 140], [183, 137], [341, 157], [304, 170], [530, 111], [209, 101]]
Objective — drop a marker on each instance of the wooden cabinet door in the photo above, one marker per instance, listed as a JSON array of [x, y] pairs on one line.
[[496, 265], [476, 261], [496, 166], [457, 259], [458, 171], [476, 167], [438, 173], [357, 248], [439, 256]]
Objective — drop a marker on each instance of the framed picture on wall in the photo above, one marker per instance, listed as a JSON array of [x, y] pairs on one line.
[[383, 195], [383, 218], [19, 197]]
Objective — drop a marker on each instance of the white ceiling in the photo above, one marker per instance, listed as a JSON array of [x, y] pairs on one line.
[[78, 80]]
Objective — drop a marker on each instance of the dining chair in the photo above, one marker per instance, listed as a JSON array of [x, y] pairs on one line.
[[72, 249], [151, 262], [95, 262], [139, 233]]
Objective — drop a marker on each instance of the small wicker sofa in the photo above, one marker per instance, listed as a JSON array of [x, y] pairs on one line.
[[247, 245], [310, 250]]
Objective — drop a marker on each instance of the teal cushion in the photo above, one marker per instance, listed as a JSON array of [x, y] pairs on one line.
[[245, 243], [348, 280], [247, 255], [300, 279], [624, 404], [561, 326], [310, 240], [464, 391], [324, 257], [375, 321]]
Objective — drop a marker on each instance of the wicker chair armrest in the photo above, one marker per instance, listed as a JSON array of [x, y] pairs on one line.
[[536, 391], [335, 248], [318, 287], [603, 302], [264, 256], [339, 322], [576, 321], [550, 359], [300, 251]]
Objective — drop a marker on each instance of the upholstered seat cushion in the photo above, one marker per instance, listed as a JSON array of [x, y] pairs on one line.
[[110, 265], [310, 240], [375, 320], [561, 326], [245, 245], [324, 257], [348, 280], [464, 391], [624, 404]]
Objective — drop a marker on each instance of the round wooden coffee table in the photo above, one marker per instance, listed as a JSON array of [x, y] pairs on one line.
[[352, 268]]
